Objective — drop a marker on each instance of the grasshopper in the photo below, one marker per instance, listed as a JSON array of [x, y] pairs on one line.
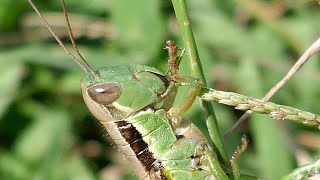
[[146, 130], [151, 132]]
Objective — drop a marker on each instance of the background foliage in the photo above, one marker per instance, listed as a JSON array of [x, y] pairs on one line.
[[46, 132]]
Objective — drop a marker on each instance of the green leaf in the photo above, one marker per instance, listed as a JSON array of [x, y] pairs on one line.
[[139, 25], [11, 74]]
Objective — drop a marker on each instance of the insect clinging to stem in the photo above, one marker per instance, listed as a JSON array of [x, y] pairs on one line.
[[138, 125], [134, 103]]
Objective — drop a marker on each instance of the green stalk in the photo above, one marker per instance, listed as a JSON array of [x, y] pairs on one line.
[[197, 71], [275, 111], [215, 167], [304, 172]]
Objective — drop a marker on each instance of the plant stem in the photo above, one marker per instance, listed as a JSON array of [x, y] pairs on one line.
[[275, 111], [197, 71], [215, 167], [305, 171]]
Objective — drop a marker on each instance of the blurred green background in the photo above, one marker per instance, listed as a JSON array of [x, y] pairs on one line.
[[46, 132]]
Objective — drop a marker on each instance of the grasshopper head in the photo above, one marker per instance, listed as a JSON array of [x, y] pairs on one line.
[[123, 90]]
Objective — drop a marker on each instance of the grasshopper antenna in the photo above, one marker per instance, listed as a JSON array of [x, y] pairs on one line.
[[84, 65], [74, 44]]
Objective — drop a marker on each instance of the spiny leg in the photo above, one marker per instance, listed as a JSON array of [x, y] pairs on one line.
[[236, 155], [172, 61]]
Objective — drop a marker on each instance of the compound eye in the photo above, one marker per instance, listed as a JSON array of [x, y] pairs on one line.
[[105, 93]]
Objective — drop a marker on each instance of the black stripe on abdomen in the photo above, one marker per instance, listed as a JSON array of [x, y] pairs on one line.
[[137, 144]]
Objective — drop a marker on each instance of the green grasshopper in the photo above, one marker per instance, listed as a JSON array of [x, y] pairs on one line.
[[134, 103], [144, 128]]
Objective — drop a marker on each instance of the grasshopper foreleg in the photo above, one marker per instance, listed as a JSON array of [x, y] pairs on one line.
[[176, 80], [195, 86]]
